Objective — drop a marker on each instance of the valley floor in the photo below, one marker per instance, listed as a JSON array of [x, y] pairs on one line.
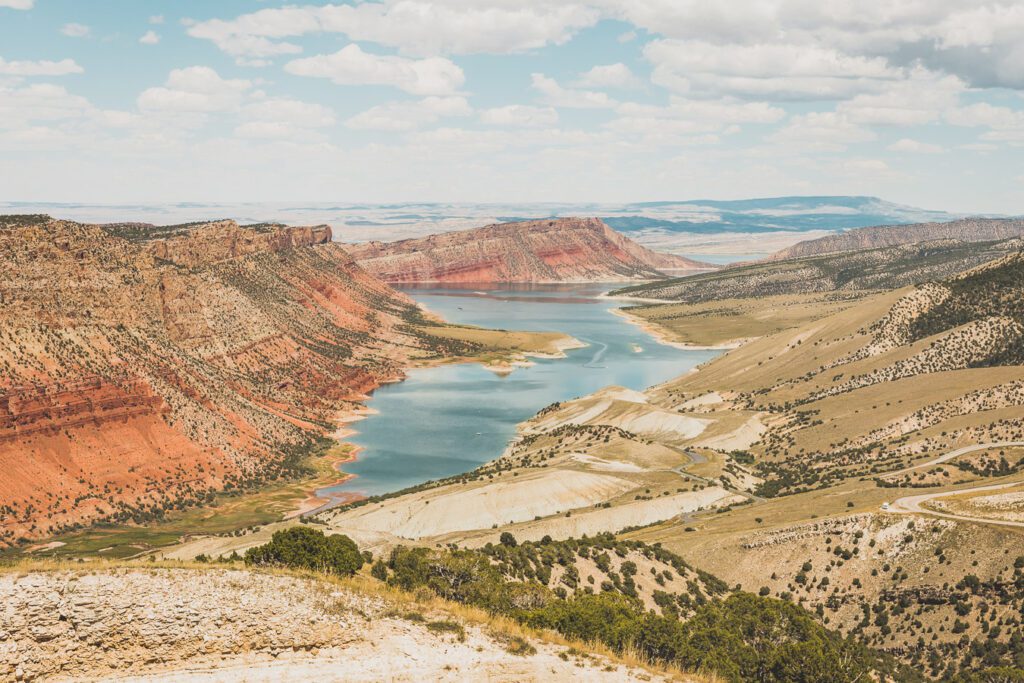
[[877, 483]]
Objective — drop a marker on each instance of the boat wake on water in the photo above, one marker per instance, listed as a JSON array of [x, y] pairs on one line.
[[598, 354]]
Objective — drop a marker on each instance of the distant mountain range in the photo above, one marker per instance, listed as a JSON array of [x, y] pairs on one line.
[[417, 219], [769, 214]]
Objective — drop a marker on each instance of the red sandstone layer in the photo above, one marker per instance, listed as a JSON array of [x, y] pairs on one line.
[[555, 250], [142, 368]]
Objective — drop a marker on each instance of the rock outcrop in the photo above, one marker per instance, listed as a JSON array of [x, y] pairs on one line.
[[223, 240], [142, 368], [187, 624], [555, 250]]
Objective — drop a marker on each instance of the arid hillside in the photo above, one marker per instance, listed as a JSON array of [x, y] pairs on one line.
[[556, 250], [857, 271], [882, 441], [862, 460], [142, 368], [962, 230]]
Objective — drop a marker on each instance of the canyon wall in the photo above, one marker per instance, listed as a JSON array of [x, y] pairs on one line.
[[143, 368], [555, 250]]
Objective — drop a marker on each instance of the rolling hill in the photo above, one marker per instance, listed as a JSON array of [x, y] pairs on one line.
[[962, 230], [861, 260]]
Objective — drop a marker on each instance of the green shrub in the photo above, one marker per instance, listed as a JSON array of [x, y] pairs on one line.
[[447, 626], [305, 548], [379, 570], [993, 675]]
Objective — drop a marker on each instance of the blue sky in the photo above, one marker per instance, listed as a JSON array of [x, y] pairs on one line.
[[512, 100]]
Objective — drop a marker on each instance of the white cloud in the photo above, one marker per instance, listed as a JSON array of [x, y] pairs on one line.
[[765, 70], [17, 4], [456, 27], [295, 112], [1010, 137], [715, 111], [914, 147], [554, 94], [156, 19], [284, 120], [194, 89], [820, 131], [352, 66], [977, 41], [39, 102], [986, 115], [404, 116], [149, 38], [40, 68], [616, 75], [415, 27], [520, 115], [920, 99], [866, 165], [1005, 125], [73, 30], [684, 118], [250, 36]]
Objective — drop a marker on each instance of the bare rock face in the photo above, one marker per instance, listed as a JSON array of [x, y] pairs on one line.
[[964, 230], [141, 366], [83, 625], [235, 625], [555, 250]]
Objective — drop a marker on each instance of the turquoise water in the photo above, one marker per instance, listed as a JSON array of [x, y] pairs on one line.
[[447, 420]]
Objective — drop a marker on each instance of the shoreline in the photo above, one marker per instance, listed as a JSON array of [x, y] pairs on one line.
[[661, 335], [314, 504], [522, 360], [639, 299]]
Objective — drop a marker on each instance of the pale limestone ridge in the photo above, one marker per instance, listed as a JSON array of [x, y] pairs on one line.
[[232, 625]]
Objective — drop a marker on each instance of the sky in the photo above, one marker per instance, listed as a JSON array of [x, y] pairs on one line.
[[117, 101]]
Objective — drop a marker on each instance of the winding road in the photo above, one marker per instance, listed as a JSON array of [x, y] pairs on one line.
[[913, 504], [946, 457]]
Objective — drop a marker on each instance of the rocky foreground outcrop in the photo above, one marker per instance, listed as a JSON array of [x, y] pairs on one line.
[[144, 367], [555, 250], [228, 625]]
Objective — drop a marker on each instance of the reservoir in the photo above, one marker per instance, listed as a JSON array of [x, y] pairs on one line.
[[446, 420]]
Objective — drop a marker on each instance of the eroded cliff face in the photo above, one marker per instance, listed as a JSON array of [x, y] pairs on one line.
[[222, 240], [137, 373], [555, 250]]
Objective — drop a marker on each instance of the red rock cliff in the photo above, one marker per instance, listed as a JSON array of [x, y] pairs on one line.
[[144, 366], [555, 250]]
